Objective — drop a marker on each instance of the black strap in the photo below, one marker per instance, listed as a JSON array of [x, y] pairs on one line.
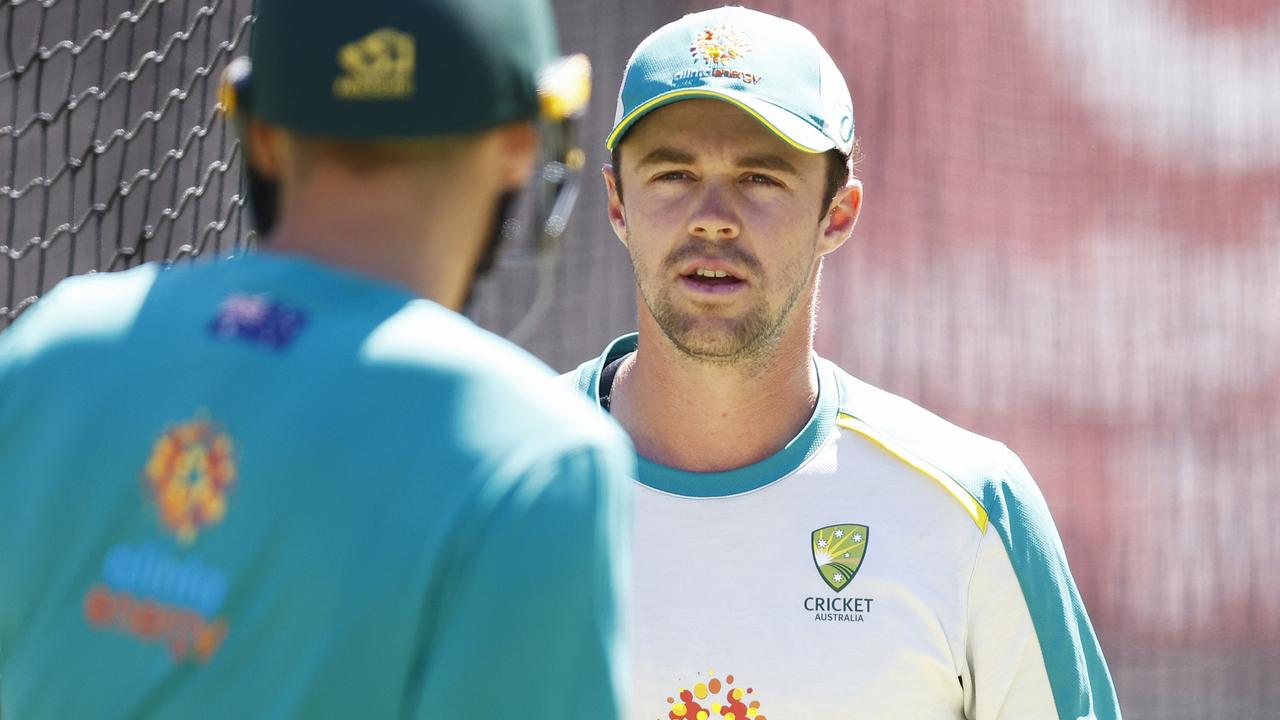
[[606, 382]]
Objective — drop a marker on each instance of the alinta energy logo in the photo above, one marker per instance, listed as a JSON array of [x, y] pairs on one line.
[[715, 699], [838, 551], [717, 47], [378, 66], [150, 592]]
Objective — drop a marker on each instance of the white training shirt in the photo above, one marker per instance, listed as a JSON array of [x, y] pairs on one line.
[[884, 564]]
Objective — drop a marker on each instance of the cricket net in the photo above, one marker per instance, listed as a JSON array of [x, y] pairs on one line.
[[112, 148]]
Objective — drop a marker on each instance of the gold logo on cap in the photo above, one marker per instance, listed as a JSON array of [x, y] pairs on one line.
[[718, 45], [378, 66]]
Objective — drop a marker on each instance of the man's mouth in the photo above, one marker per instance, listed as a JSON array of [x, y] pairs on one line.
[[711, 280]]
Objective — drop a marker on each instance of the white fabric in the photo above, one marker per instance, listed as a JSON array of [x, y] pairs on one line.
[[728, 585]]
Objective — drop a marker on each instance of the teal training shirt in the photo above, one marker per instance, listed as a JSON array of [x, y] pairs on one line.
[[267, 488]]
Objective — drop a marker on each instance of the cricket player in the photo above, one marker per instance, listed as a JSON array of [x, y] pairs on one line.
[[299, 484], [806, 545]]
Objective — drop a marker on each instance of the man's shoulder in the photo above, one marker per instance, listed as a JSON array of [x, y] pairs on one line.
[[510, 386], [97, 308], [424, 336], [996, 487], [985, 470], [911, 426]]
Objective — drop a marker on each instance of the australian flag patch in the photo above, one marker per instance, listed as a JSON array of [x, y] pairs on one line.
[[258, 320]]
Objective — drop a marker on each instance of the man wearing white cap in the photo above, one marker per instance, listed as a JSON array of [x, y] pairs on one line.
[[806, 545]]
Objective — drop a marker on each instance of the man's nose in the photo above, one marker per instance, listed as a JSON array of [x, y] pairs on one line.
[[714, 217]]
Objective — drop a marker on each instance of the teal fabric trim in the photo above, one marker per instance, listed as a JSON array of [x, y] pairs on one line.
[[1078, 674], [587, 375], [730, 482]]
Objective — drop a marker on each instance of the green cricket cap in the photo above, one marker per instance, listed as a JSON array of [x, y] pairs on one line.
[[385, 69], [771, 68]]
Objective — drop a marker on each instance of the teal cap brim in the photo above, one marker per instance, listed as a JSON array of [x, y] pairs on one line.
[[794, 130]]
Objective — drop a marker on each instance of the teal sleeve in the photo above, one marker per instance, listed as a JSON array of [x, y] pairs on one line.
[[531, 623], [1078, 675]]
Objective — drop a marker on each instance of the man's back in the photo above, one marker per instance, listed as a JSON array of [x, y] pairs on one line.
[[272, 488]]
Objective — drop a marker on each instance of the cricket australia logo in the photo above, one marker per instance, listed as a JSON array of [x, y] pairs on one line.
[[378, 66], [837, 553]]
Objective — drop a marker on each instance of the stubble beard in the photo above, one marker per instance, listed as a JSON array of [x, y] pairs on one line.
[[709, 338]]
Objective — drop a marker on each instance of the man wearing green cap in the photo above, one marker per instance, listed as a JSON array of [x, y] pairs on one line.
[[806, 546], [299, 484]]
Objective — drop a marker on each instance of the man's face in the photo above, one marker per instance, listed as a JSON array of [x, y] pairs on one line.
[[721, 218]]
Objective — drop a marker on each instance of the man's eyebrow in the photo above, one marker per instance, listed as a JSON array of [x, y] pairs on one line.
[[665, 154], [767, 162]]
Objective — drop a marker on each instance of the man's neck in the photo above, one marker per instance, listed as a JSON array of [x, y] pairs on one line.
[[391, 254], [421, 234], [707, 417]]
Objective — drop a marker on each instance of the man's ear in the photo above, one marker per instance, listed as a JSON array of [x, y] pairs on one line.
[[519, 148], [265, 147], [617, 213], [837, 224]]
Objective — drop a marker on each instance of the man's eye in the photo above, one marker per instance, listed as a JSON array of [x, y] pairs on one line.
[[673, 175], [758, 179]]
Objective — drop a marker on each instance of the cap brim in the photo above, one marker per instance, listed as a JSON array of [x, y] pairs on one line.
[[791, 128]]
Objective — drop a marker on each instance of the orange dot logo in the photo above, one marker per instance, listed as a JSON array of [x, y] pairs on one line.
[[190, 473], [718, 45], [705, 701]]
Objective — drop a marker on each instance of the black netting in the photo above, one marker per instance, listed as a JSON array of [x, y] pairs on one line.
[[112, 147]]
